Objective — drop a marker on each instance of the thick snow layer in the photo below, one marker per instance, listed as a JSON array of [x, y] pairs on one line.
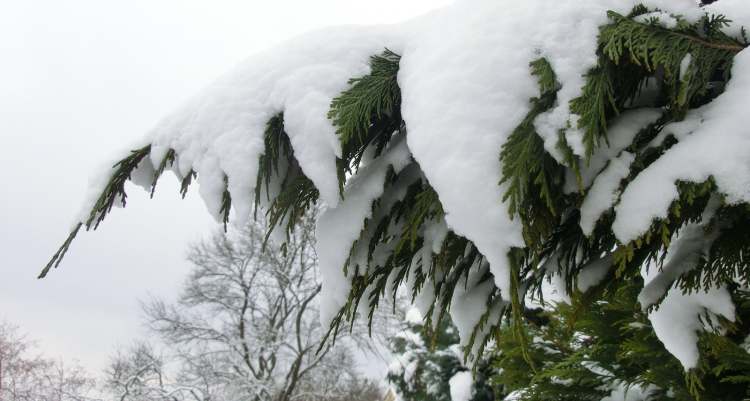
[[739, 11], [603, 193], [593, 273], [680, 317], [679, 129], [413, 316], [339, 227], [469, 303], [691, 242], [620, 135], [460, 385], [220, 131], [717, 148], [624, 392], [516, 395], [665, 19], [459, 110]]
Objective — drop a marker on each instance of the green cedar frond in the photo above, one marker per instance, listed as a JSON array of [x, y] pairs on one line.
[[115, 188], [58, 256], [727, 259], [370, 97], [186, 181], [297, 194], [169, 159], [276, 145], [653, 245], [226, 203], [631, 50], [595, 106], [368, 113], [533, 176], [113, 191], [583, 350]]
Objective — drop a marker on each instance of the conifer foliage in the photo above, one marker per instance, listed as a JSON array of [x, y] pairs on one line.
[[424, 364], [610, 349], [656, 76]]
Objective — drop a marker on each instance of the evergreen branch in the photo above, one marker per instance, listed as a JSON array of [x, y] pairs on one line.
[[732, 47], [276, 144], [186, 181], [533, 176], [596, 105], [58, 256], [515, 257], [372, 96], [297, 194], [226, 203], [368, 113], [169, 159], [114, 190]]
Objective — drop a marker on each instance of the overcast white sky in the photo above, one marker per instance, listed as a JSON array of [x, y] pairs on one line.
[[80, 79]]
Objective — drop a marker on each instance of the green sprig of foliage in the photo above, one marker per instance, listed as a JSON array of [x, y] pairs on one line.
[[296, 194], [113, 192], [368, 113], [226, 204], [533, 176], [583, 351], [168, 160]]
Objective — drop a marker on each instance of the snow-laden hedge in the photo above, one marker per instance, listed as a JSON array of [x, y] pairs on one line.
[[475, 151]]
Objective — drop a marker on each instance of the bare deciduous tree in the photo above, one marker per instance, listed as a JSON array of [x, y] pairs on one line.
[[139, 373], [246, 327], [27, 376]]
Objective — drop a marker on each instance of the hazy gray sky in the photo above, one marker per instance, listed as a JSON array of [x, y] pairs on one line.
[[80, 80]]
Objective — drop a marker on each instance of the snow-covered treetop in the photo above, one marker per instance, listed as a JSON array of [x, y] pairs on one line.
[[471, 152]]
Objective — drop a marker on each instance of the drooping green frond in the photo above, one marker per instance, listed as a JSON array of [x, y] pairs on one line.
[[186, 181], [392, 249], [533, 176], [60, 254], [168, 160], [276, 146], [226, 204], [277, 166], [631, 51], [298, 194], [368, 113], [369, 98], [727, 259], [113, 192], [655, 48], [653, 245], [596, 105]]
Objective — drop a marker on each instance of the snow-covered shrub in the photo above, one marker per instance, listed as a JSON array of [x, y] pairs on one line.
[[476, 151], [610, 351], [429, 367]]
